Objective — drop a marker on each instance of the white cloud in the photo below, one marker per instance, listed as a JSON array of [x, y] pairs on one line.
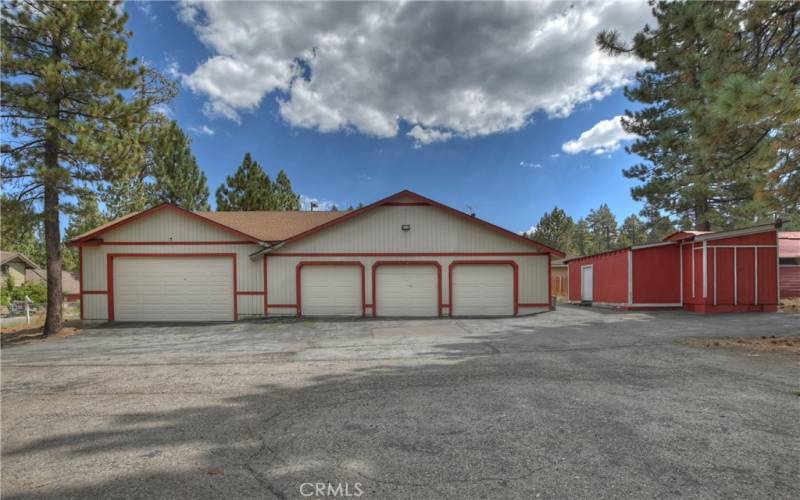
[[203, 129], [319, 205], [603, 138], [147, 9], [443, 69], [528, 164], [164, 109], [424, 136], [554, 155]]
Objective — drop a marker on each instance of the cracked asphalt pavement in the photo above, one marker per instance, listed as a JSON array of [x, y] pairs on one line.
[[579, 403]]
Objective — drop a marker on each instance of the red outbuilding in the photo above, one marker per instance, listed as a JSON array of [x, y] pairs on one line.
[[789, 254], [705, 272]]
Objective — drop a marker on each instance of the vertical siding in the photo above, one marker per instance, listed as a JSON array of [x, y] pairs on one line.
[[609, 276], [656, 275], [249, 272], [282, 273], [790, 281], [168, 225], [431, 230]]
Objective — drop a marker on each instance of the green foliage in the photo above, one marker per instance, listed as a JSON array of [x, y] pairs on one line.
[[248, 189], [251, 189], [555, 229], [285, 198], [84, 217], [177, 178], [72, 107], [720, 129], [20, 229], [36, 291], [632, 232], [603, 226], [581, 239]]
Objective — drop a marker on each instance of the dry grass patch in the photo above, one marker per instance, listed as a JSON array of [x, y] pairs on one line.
[[22, 333], [789, 344]]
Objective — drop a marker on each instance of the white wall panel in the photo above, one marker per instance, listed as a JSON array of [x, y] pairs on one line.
[[95, 307], [251, 305], [169, 225], [431, 230]]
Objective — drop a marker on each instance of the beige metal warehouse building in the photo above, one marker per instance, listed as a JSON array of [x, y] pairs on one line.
[[405, 255]]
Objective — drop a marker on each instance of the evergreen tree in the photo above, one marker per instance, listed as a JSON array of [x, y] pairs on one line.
[[555, 229], [334, 208], [284, 197], [581, 239], [21, 228], [83, 217], [603, 226], [248, 189], [632, 232], [177, 178], [70, 110], [720, 129], [658, 225]]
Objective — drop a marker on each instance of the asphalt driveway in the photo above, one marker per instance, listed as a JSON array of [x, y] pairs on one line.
[[574, 403]]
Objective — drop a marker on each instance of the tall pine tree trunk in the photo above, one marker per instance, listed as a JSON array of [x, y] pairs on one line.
[[52, 240], [701, 222]]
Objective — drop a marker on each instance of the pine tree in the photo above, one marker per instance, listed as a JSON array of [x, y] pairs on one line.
[[177, 178], [69, 108], [658, 226], [82, 218], [603, 226], [284, 197], [581, 239], [632, 232], [555, 229], [720, 131], [21, 228], [248, 189]]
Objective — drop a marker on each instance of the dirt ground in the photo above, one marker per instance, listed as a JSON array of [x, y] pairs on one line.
[[767, 343], [23, 333], [790, 305]]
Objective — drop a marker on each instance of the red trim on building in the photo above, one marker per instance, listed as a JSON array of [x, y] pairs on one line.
[[110, 273], [158, 208], [94, 292], [304, 263], [455, 263], [435, 204], [379, 263], [406, 204], [409, 254], [159, 243], [80, 278]]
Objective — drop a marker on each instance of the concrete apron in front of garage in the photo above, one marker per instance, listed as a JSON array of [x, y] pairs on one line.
[[578, 403]]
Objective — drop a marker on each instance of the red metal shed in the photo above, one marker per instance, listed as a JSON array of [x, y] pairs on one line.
[[789, 254], [698, 271]]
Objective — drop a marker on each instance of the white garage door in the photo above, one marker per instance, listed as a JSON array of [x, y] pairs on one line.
[[483, 290], [407, 290], [173, 289], [330, 291]]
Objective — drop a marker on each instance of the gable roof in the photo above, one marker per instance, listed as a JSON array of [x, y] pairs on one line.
[[257, 226], [289, 226], [9, 256], [421, 199]]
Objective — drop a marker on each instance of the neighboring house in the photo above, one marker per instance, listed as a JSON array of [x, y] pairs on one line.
[[789, 255], [21, 270], [559, 279], [706, 272], [405, 255], [18, 268]]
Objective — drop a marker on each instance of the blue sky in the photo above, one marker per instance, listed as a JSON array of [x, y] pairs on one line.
[[509, 173]]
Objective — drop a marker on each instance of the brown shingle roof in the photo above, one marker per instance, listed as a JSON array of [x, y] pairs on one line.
[[261, 225], [271, 226]]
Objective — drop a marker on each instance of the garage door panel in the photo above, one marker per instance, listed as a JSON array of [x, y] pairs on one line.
[[483, 290], [173, 289], [407, 290], [331, 291]]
